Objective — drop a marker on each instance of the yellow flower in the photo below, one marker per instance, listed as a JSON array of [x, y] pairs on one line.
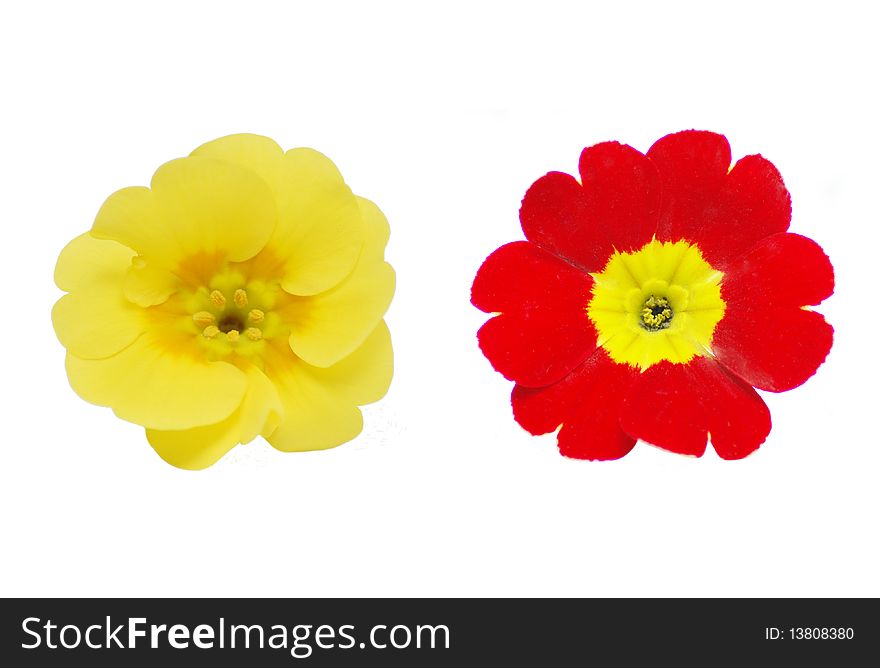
[[242, 294]]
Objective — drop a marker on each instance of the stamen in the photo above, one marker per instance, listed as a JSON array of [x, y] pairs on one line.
[[656, 314], [203, 318], [256, 315], [253, 333], [211, 331], [240, 298], [217, 299], [232, 335]]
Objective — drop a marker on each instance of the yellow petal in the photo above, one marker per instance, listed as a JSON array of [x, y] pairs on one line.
[[149, 284], [197, 448], [201, 447], [151, 386], [131, 217], [321, 230], [305, 172], [376, 231], [331, 325], [364, 376], [320, 405], [197, 207], [86, 261], [215, 207], [95, 320], [262, 410], [318, 421], [259, 154]]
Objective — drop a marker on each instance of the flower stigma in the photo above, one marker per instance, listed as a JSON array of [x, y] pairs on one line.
[[229, 323]]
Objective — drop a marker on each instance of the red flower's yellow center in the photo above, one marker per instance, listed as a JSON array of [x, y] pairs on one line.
[[661, 302]]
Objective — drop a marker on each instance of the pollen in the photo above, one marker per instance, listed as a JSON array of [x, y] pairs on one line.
[[217, 299], [656, 314], [240, 298], [232, 335], [210, 331], [203, 319], [253, 333], [256, 315]]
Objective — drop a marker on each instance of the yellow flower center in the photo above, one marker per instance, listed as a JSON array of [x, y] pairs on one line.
[[232, 315], [661, 302]]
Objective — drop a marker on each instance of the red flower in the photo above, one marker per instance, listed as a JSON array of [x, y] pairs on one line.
[[652, 297]]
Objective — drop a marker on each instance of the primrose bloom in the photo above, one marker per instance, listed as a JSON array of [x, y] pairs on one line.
[[650, 299], [242, 294]]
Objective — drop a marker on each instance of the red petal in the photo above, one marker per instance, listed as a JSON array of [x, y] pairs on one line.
[[753, 204], [781, 270], [585, 403], [662, 408], [520, 276], [543, 331], [693, 167], [765, 336], [616, 208], [773, 349], [676, 406], [739, 420], [623, 190], [724, 213]]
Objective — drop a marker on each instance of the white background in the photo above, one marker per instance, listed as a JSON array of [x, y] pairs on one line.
[[443, 114]]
